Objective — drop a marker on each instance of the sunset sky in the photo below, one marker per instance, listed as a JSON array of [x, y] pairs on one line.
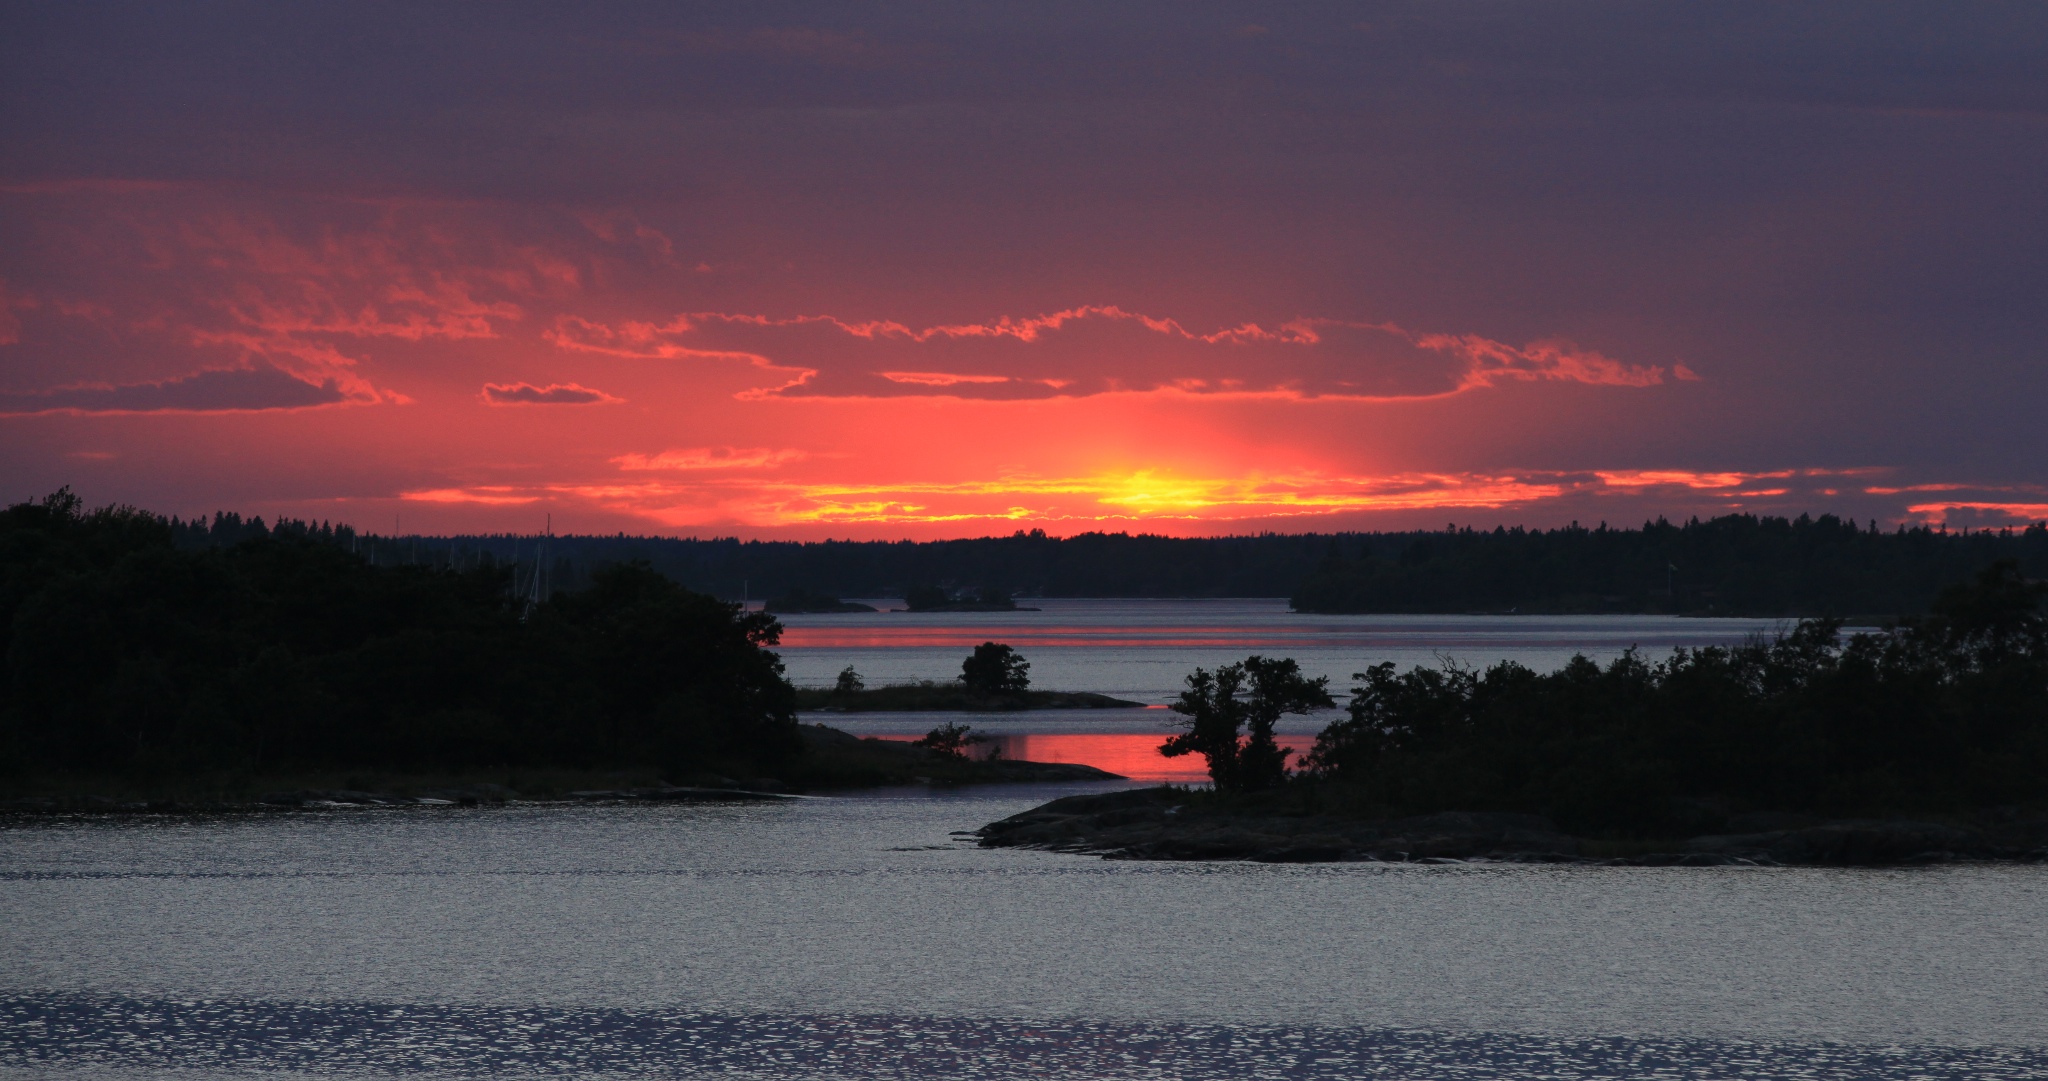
[[910, 270]]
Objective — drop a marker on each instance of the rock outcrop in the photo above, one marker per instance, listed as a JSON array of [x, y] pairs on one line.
[[1173, 824]]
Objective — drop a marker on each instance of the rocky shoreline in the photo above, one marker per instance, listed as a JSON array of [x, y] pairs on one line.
[[315, 799], [1172, 824], [833, 761]]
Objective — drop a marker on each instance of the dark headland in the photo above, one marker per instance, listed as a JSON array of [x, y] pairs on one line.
[[1177, 824], [1922, 742], [298, 666]]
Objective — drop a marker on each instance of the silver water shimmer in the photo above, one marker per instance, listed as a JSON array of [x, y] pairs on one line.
[[678, 941]]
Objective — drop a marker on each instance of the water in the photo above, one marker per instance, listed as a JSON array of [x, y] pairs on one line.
[[681, 940], [864, 937], [1143, 650]]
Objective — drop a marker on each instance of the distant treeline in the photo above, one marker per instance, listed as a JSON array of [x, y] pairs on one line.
[[131, 648], [1733, 565]]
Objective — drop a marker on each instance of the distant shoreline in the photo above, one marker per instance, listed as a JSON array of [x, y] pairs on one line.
[[950, 697]]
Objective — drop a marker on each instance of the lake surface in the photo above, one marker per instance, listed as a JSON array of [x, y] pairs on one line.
[[1143, 650], [863, 936]]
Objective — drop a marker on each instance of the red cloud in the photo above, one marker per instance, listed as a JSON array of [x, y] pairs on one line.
[[1094, 350], [552, 394], [180, 277]]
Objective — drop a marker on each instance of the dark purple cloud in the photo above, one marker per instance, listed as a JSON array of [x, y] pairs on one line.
[[232, 390]]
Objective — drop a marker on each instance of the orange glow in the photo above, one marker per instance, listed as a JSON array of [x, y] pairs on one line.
[[940, 379], [1644, 478], [1135, 756], [488, 496], [2010, 513], [746, 486], [1143, 495], [357, 357]]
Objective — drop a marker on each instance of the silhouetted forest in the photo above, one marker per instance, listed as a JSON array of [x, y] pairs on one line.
[[281, 649], [1734, 565], [1944, 712]]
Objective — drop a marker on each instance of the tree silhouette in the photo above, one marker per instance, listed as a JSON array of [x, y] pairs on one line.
[[951, 740], [1230, 717], [995, 671]]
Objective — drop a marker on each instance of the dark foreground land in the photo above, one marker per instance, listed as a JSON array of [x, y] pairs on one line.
[[1177, 824], [1922, 742], [291, 670]]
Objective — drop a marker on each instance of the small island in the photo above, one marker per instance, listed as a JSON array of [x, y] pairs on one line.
[[995, 678]]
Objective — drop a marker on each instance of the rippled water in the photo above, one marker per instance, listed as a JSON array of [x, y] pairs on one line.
[[862, 937], [865, 937]]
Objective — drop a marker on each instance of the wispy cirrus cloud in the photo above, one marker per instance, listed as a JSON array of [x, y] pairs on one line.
[[552, 394], [233, 390], [940, 379], [702, 458], [1103, 349], [486, 495]]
